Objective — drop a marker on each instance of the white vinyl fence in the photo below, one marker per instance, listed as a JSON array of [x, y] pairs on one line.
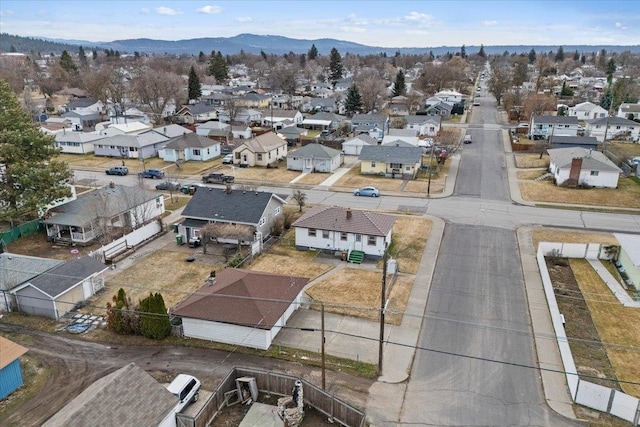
[[108, 252], [582, 392]]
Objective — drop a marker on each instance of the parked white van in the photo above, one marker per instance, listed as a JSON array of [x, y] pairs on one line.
[[186, 388]]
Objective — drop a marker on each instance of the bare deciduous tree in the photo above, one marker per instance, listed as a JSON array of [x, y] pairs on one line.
[[156, 89], [536, 104], [300, 198], [371, 87]]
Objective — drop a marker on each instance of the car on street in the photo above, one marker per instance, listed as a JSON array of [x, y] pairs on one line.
[[467, 139], [367, 191], [476, 102], [523, 125], [169, 185], [152, 173], [118, 170], [228, 159]]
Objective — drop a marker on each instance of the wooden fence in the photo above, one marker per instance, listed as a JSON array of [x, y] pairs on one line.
[[278, 384]]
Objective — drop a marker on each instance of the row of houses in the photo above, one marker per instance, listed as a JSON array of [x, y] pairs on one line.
[[545, 127]]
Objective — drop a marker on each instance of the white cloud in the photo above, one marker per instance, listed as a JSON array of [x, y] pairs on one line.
[[489, 23], [145, 10], [352, 29], [209, 10], [6, 13], [243, 19], [418, 17], [167, 11], [621, 26]]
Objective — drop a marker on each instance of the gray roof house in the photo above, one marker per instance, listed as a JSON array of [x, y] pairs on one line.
[[390, 160], [126, 397], [353, 146], [614, 128], [113, 209], [629, 111], [252, 212], [588, 142], [17, 269], [548, 126], [190, 147], [406, 135], [143, 145], [314, 158], [345, 230], [58, 290], [76, 142], [572, 167]]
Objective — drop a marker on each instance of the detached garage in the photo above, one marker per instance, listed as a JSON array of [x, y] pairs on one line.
[[10, 370], [57, 291], [241, 307]]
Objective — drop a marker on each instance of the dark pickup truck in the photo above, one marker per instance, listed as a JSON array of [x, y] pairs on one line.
[[213, 178]]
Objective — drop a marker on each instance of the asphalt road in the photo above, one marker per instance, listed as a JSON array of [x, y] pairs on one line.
[[477, 323]]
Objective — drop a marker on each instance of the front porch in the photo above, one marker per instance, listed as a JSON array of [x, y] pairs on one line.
[[71, 234]]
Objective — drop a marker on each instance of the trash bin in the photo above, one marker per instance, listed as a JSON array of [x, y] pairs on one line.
[[344, 256], [175, 228], [179, 240]]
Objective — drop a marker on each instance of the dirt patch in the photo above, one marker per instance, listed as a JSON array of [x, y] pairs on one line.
[[627, 195], [589, 354], [37, 245], [353, 179], [421, 183], [531, 161]]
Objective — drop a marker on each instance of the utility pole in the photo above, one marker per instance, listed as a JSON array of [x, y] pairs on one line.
[[383, 297], [429, 183], [323, 357]]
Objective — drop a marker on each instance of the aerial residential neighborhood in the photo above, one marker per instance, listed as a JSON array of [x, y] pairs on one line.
[[342, 225]]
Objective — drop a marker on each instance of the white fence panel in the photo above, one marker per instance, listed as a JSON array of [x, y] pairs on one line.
[[134, 238], [574, 250], [593, 251], [593, 396], [625, 406]]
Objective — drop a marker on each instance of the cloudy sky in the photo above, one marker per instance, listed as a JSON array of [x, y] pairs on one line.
[[374, 22]]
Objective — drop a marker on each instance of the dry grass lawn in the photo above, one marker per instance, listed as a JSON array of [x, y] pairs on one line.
[[356, 292], [531, 174], [438, 181], [353, 179], [409, 239], [618, 326], [571, 236], [313, 178], [257, 173], [627, 195], [624, 149], [531, 161], [91, 161], [163, 271]]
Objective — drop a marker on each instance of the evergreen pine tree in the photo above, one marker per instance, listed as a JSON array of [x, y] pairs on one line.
[[66, 62], [194, 86], [353, 102], [482, 54], [94, 54], [82, 56], [399, 86], [335, 66], [463, 51], [532, 56], [313, 52], [611, 69], [202, 58], [560, 54], [218, 66], [576, 56]]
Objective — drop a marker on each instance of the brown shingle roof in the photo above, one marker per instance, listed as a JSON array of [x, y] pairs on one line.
[[335, 218], [243, 297], [126, 397], [264, 143], [9, 351]]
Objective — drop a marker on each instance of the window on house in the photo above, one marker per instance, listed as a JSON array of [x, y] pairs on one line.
[[373, 164], [595, 173], [396, 166], [277, 210], [196, 152], [131, 149], [371, 240], [158, 202], [312, 232], [343, 236], [113, 147], [358, 237], [325, 234], [259, 157], [262, 221]]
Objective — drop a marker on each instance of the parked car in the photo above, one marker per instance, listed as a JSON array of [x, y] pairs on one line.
[[476, 102], [225, 150], [169, 185], [186, 388], [117, 170], [152, 173], [523, 125], [467, 139], [228, 159], [220, 178], [367, 191]]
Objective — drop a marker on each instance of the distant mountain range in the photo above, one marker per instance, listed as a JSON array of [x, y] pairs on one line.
[[252, 43]]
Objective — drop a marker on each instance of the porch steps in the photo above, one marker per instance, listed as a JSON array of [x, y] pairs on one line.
[[356, 257]]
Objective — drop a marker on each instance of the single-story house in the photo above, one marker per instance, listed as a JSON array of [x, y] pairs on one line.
[[586, 111], [279, 119], [251, 213], [576, 166], [17, 269], [10, 370], [128, 128], [370, 121], [253, 100], [198, 113], [58, 290], [390, 160], [126, 397], [345, 230], [245, 116], [261, 150], [314, 158], [439, 108], [629, 256], [241, 132], [547, 126], [217, 131], [322, 121], [140, 146], [292, 134], [107, 211], [409, 136], [425, 125], [76, 142], [172, 131], [85, 103], [629, 111], [614, 128], [241, 307], [449, 96], [353, 146], [588, 142], [82, 119], [190, 146]]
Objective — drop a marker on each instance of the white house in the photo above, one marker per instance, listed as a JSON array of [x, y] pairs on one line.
[[449, 96], [241, 132], [548, 126], [629, 111], [76, 142], [353, 146], [358, 233], [241, 307], [586, 111], [129, 128], [190, 146], [281, 118], [578, 166], [613, 128], [314, 158], [410, 136], [261, 150], [425, 125]]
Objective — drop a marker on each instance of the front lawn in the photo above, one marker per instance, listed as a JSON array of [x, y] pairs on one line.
[[627, 195]]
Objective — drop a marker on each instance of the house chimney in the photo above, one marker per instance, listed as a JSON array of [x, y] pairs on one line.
[[228, 189], [349, 214], [574, 172]]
